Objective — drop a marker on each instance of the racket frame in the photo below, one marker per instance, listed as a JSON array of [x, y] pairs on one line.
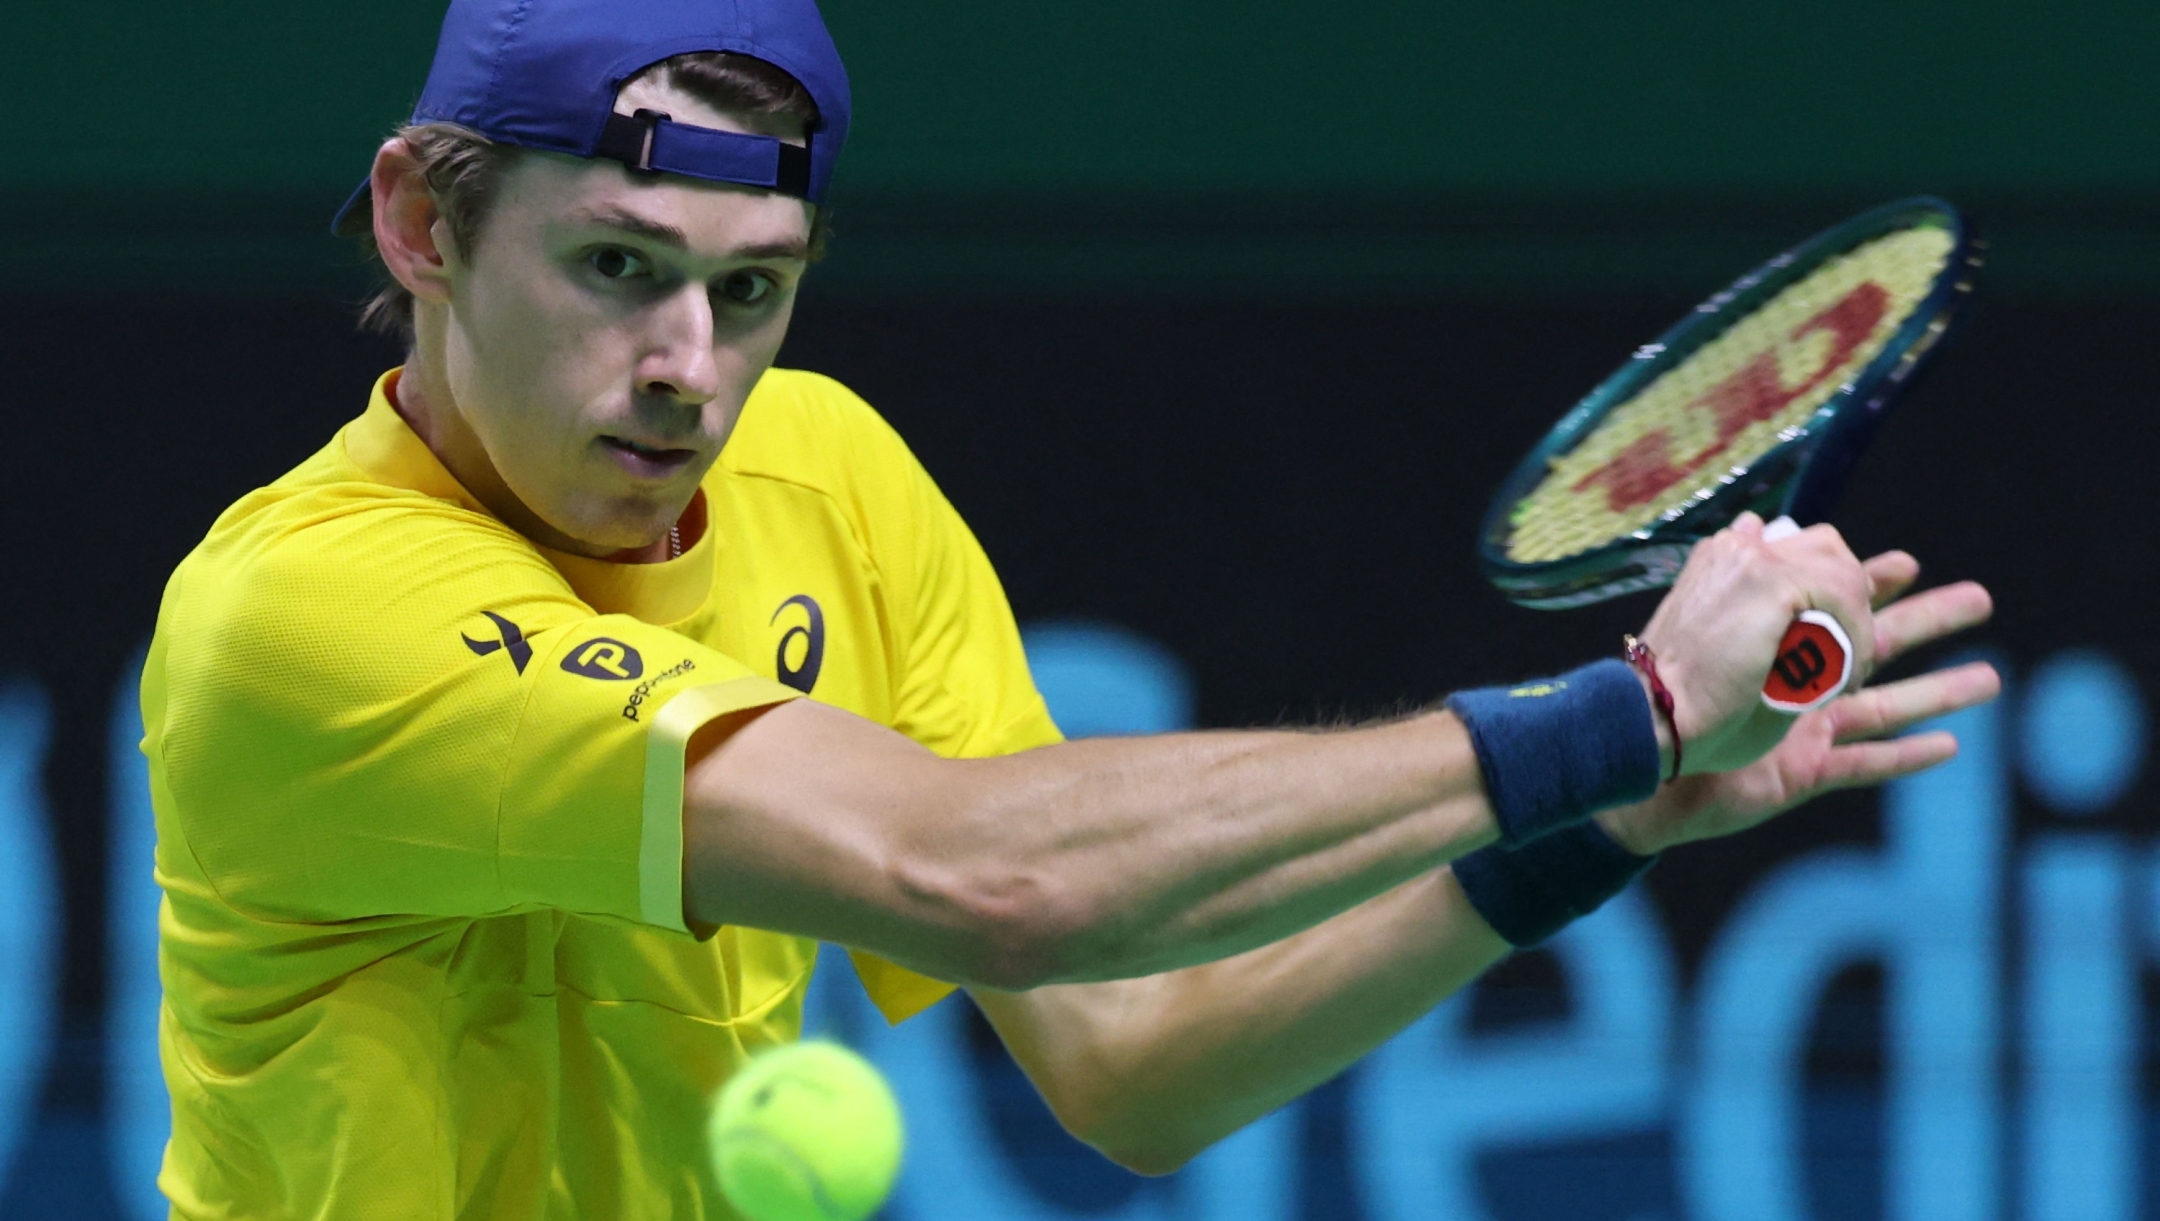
[[1799, 477]]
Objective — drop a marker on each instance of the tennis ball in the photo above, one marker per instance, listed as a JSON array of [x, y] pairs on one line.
[[806, 1132]]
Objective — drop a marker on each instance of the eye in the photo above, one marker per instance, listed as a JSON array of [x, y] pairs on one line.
[[747, 287], [615, 263]]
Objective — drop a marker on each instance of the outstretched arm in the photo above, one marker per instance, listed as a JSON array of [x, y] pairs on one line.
[[1087, 860], [1151, 1071], [1124, 857]]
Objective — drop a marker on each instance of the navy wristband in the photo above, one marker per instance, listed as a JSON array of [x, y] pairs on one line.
[[1529, 893], [1557, 750]]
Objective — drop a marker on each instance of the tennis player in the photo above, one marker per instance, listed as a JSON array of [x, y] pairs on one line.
[[513, 754]]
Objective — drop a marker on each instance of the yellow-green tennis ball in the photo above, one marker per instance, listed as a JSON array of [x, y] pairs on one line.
[[806, 1132]]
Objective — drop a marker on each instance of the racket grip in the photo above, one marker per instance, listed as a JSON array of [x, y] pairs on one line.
[[1779, 527], [1814, 660]]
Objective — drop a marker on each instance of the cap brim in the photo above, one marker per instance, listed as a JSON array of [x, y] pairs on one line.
[[358, 214]]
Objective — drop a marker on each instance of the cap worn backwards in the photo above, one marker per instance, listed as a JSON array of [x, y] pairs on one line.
[[543, 74]]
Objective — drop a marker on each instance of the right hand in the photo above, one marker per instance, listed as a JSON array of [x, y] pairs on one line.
[[1717, 632], [1856, 739]]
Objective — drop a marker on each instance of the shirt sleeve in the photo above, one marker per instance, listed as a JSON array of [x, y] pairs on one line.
[[965, 690], [408, 712]]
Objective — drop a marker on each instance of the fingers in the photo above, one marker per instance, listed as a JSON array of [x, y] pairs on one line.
[[1930, 616], [1864, 753], [1748, 523], [1889, 575], [1879, 711], [1868, 763]]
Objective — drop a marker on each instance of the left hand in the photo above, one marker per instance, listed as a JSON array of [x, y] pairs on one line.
[[1844, 744]]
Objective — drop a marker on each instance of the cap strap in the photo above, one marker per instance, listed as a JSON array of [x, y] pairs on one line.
[[650, 142]]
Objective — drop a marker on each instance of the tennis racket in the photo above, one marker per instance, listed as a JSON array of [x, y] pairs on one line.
[[1762, 398]]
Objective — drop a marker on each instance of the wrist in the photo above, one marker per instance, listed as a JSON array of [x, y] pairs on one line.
[[1528, 893], [1634, 829], [1664, 714], [1554, 751], [1666, 744]]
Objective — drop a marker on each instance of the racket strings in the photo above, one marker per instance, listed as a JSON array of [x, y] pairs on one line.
[[1715, 413]]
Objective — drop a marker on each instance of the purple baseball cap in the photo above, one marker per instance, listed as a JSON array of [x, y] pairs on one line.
[[543, 74]]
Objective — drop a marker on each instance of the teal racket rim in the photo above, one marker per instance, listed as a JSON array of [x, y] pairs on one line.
[[1800, 476]]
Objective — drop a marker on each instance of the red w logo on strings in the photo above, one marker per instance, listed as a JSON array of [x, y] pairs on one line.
[[1755, 392]]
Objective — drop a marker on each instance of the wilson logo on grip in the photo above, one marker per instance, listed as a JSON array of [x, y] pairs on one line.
[[1814, 662], [1800, 665], [604, 658]]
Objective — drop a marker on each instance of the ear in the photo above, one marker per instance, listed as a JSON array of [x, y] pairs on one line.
[[409, 233]]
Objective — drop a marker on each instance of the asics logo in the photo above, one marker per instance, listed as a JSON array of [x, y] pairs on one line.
[[801, 671], [509, 639]]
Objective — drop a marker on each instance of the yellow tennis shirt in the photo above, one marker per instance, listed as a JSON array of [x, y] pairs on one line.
[[418, 785]]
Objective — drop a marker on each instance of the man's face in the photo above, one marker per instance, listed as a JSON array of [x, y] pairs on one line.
[[605, 331]]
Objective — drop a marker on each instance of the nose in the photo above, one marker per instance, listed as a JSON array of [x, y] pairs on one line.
[[678, 361]]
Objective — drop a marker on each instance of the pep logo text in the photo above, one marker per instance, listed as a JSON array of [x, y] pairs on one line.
[[639, 693], [604, 658]]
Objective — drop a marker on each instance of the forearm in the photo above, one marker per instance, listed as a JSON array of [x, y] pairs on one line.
[[1209, 845], [1151, 1071], [1099, 859]]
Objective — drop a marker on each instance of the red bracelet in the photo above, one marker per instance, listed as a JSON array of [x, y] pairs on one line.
[[1639, 656]]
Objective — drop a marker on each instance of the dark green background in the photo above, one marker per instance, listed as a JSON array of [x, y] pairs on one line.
[[1124, 146]]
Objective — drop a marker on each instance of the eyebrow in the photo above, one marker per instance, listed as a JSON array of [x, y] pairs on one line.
[[674, 239]]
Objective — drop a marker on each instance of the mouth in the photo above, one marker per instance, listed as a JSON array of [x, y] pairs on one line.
[[647, 461]]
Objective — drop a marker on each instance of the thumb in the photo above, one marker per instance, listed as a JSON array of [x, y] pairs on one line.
[[1749, 523]]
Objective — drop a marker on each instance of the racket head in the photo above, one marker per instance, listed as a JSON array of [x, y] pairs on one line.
[[1557, 534]]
